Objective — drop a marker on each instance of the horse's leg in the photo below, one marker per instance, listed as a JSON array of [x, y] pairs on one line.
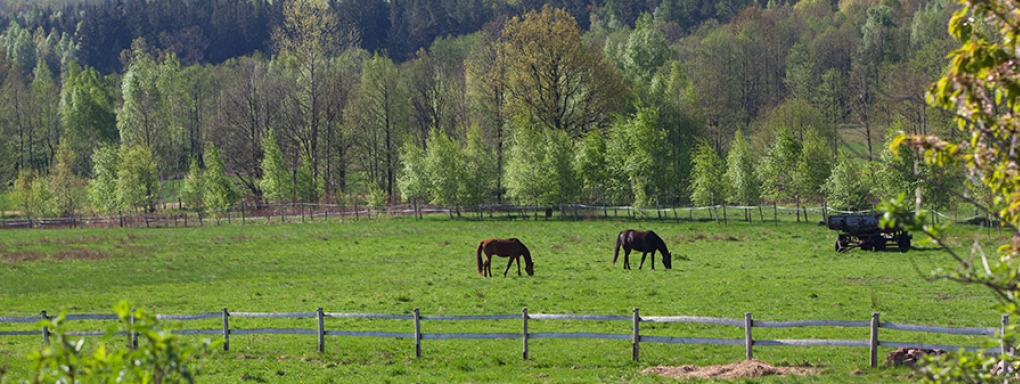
[[643, 254], [487, 266], [510, 264], [626, 258]]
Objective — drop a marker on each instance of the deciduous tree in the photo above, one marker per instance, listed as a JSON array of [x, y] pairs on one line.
[[740, 173], [553, 78]]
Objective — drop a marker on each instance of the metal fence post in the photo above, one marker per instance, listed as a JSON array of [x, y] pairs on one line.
[[226, 330], [637, 337], [417, 333], [322, 330], [873, 358], [524, 318], [748, 341], [45, 329]]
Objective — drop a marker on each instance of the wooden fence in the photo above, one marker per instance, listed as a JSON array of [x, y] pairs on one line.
[[635, 337]]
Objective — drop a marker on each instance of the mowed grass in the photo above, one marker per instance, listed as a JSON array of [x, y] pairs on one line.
[[778, 272]]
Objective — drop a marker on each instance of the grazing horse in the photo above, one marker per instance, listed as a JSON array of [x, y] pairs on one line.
[[511, 248], [645, 242]]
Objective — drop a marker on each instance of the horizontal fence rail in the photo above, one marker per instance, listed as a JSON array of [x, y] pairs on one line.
[[747, 324]]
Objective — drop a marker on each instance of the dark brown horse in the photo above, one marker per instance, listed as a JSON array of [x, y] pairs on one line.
[[644, 242], [511, 248]]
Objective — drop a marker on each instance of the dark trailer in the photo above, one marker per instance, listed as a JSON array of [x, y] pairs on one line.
[[865, 231]]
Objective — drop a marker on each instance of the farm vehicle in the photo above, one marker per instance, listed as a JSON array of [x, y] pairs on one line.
[[867, 232]]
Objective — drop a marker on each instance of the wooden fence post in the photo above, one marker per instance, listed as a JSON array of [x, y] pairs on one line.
[[637, 337], [45, 330], [226, 330], [322, 330], [1004, 349], [417, 333], [748, 341], [524, 318], [133, 336], [873, 359]]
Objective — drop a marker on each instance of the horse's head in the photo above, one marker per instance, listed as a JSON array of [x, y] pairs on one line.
[[667, 260], [530, 269]]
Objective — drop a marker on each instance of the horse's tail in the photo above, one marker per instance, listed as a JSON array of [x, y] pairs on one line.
[[616, 251], [478, 256]]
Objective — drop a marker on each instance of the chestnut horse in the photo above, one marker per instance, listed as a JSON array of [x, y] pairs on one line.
[[511, 248], [645, 242]]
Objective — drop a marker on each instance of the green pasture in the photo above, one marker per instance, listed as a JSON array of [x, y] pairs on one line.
[[392, 265]]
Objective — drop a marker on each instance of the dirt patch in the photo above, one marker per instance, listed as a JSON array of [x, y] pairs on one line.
[[75, 254], [743, 369]]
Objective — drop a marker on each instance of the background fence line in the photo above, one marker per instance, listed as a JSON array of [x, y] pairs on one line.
[[747, 323], [301, 212]]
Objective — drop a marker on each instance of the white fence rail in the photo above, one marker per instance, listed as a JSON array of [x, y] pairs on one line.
[[747, 323]]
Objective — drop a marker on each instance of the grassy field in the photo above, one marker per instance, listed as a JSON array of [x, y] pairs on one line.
[[778, 272]]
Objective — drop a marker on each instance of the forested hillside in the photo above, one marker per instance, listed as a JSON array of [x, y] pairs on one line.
[[457, 102]]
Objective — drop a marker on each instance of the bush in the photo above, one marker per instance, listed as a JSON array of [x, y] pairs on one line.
[[161, 357]]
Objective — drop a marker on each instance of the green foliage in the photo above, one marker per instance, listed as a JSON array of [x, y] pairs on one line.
[[276, 183], [309, 186], [445, 166], [102, 188], [708, 186], [161, 356], [137, 183], [66, 188], [193, 187], [30, 194], [413, 181], [813, 167], [87, 112], [638, 159], [522, 177], [19, 46], [845, 189], [553, 78], [979, 89], [776, 170], [645, 51], [7, 171], [220, 192], [479, 168], [540, 168], [591, 164], [377, 199], [740, 173]]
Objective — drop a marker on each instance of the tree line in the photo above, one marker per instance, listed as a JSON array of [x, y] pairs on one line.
[[749, 103]]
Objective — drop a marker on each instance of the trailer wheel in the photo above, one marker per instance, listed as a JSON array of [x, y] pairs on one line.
[[904, 243]]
